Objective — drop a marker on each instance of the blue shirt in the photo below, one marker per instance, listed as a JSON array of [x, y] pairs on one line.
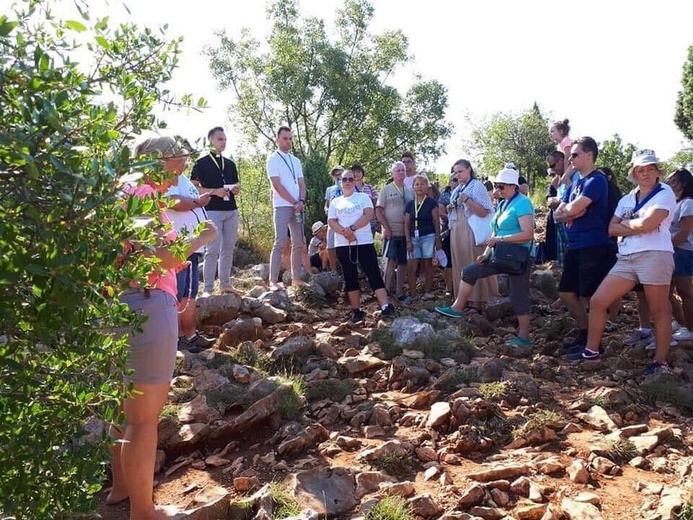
[[506, 221], [591, 229]]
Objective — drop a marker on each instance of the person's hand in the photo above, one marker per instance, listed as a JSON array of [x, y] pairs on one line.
[[204, 199], [481, 259], [298, 207], [492, 241], [387, 233], [236, 189], [410, 247], [219, 192], [209, 232], [181, 266], [439, 244]]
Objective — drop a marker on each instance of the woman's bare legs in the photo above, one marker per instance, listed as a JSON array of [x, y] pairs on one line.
[[135, 452]]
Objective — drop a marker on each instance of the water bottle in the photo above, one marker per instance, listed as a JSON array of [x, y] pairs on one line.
[[298, 217]]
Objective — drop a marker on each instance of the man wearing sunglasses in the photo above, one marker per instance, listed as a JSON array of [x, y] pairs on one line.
[[590, 253]]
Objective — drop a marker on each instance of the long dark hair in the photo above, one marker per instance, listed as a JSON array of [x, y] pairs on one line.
[[685, 179]]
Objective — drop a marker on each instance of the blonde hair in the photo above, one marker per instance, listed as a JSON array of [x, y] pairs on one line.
[[165, 145]]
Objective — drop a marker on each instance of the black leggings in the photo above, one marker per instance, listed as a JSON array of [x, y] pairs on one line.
[[365, 256]]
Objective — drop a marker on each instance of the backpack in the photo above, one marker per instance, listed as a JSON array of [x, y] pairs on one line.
[[613, 196]]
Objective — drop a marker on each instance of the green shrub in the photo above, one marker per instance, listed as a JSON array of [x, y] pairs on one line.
[[390, 507], [63, 225]]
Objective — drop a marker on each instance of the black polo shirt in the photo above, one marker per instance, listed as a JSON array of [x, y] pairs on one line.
[[210, 173]]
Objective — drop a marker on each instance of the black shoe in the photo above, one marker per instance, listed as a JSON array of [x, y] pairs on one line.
[[580, 341], [389, 311], [357, 315], [185, 344], [200, 341]]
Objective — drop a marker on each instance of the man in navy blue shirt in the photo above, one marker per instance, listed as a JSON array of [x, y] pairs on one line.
[[591, 253]]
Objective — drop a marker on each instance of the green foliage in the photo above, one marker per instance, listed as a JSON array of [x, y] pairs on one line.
[[496, 390], [437, 348], [682, 159], [616, 155], [686, 512], [522, 139], [684, 104], [334, 389], [395, 464], [390, 507], [454, 377], [332, 91], [291, 402], [65, 127], [667, 388], [537, 421], [255, 218], [286, 505], [620, 450]]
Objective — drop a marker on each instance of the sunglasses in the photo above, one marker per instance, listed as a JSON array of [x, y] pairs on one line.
[[347, 179], [454, 179], [500, 186], [552, 166]]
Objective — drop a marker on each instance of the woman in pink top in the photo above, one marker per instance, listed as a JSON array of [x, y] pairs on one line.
[[558, 131], [152, 354]]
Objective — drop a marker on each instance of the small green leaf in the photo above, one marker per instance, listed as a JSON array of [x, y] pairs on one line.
[[75, 25]]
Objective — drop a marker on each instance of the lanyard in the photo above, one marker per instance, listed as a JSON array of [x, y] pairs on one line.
[[639, 205], [459, 190], [221, 158], [289, 164], [417, 208], [501, 208], [401, 193]]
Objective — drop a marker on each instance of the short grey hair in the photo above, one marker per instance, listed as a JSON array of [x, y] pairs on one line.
[[164, 145]]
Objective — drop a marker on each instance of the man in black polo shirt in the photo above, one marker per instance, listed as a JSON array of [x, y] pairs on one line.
[[218, 176]]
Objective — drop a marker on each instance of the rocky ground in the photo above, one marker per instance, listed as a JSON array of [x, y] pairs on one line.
[[297, 413]]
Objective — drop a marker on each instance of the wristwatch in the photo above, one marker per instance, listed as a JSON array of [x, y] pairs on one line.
[[352, 227]]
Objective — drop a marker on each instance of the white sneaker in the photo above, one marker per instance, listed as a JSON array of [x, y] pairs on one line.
[[652, 345], [682, 334], [636, 338], [675, 326]]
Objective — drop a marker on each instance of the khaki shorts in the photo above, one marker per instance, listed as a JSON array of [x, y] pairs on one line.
[[646, 267], [152, 352]]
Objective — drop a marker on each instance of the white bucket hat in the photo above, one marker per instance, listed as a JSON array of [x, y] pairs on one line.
[[507, 176]]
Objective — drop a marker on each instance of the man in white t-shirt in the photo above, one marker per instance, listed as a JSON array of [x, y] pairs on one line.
[[288, 202], [187, 212]]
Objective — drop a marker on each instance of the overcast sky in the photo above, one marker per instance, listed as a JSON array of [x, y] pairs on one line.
[[608, 66]]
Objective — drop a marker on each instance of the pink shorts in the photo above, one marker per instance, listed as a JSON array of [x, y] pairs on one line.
[[645, 267]]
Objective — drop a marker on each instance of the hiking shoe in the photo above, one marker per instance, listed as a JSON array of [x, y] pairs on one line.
[[449, 312], [682, 334], [185, 344], [610, 326], [357, 315], [519, 342], [200, 341], [585, 355], [580, 341], [652, 345], [389, 311], [407, 300], [637, 337], [675, 326], [655, 368]]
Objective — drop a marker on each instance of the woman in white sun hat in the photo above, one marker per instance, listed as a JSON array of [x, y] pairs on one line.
[[645, 255], [513, 223]]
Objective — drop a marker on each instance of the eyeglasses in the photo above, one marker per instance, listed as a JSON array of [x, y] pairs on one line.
[[454, 179], [552, 166], [347, 179], [407, 161], [500, 186]]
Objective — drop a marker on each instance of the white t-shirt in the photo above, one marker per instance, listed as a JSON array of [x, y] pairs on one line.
[[409, 181], [659, 239], [347, 210], [684, 208], [189, 219], [288, 169]]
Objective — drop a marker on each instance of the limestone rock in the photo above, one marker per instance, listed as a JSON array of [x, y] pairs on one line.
[[644, 444], [473, 496], [526, 511], [313, 434], [439, 415], [408, 330], [240, 330], [369, 481], [599, 419], [498, 473], [293, 346], [424, 505], [403, 489], [395, 447], [577, 472], [328, 491], [217, 310], [196, 411], [488, 513], [360, 363], [580, 510]]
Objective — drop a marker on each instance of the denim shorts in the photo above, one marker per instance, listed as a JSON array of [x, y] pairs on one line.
[[423, 247], [188, 278], [683, 262], [397, 250]]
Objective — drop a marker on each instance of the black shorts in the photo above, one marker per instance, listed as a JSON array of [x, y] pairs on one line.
[[397, 250], [584, 269], [315, 261]]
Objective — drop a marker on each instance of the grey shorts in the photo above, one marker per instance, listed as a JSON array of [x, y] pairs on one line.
[[646, 267], [152, 352]]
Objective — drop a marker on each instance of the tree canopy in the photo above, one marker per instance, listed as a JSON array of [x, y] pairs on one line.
[[522, 139], [684, 103], [336, 93], [63, 146]]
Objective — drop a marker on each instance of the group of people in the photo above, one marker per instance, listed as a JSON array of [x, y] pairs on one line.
[[643, 244]]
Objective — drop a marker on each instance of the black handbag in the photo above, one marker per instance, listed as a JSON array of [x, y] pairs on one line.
[[509, 258]]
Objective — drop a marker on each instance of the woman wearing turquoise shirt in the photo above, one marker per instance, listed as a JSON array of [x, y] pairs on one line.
[[513, 223]]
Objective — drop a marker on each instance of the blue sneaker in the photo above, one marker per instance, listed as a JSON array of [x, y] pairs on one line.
[[586, 355], [519, 342], [655, 368], [449, 312]]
